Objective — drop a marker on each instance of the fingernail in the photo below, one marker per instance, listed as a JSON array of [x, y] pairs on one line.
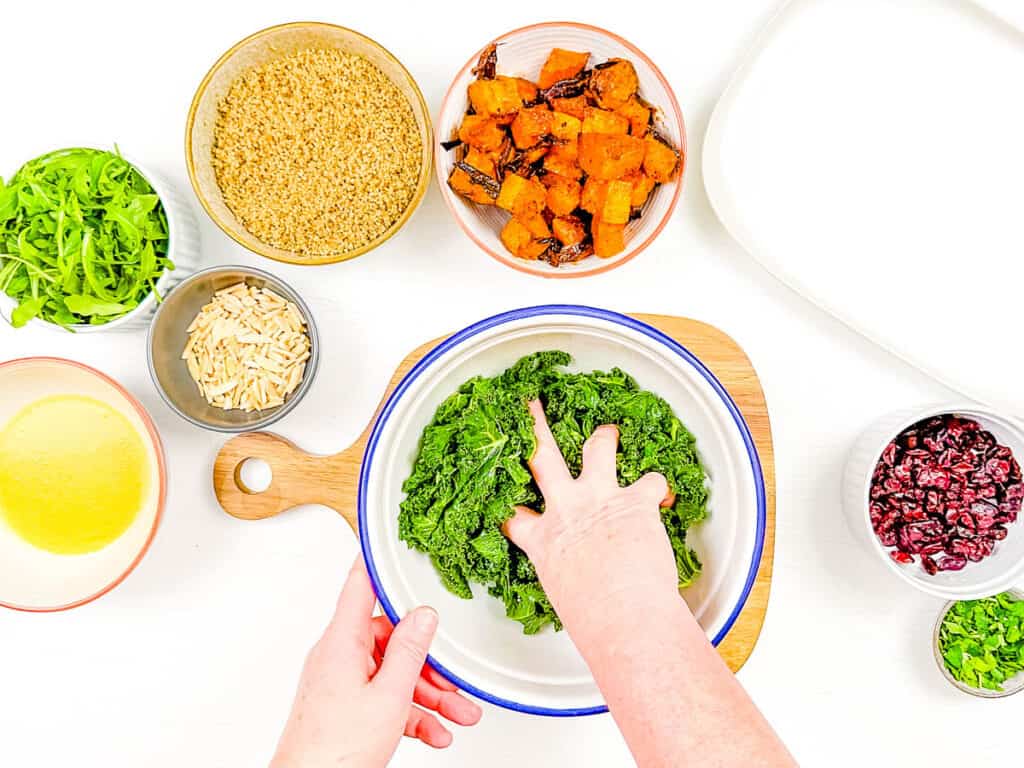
[[425, 619]]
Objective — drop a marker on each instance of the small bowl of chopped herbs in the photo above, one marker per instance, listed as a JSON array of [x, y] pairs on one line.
[[979, 644], [89, 241]]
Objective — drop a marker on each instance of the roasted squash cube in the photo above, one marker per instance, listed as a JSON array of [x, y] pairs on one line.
[[561, 65], [616, 206], [638, 114], [568, 230], [535, 225], [643, 185], [530, 200], [495, 98], [570, 105], [660, 161], [565, 127], [608, 238], [476, 188], [613, 82], [563, 195], [610, 156], [511, 186], [527, 90], [592, 198], [482, 161], [531, 125], [516, 237], [561, 159], [597, 120], [481, 132]]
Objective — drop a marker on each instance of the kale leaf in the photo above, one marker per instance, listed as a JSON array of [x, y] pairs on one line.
[[472, 469]]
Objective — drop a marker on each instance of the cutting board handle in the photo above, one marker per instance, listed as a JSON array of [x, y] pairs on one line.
[[297, 478]]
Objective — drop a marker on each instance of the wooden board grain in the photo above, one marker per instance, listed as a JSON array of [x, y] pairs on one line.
[[302, 478]]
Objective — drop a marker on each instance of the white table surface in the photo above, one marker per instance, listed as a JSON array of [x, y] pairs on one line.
[[193, 660]]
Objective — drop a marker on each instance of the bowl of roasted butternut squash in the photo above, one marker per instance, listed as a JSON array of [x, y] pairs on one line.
[[562, 150]]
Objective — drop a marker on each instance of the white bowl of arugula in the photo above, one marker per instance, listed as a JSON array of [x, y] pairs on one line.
[[90, 241], [446, 459]]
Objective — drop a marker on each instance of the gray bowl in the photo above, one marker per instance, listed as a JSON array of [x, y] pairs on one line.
[[1014, 685], [168, 335]]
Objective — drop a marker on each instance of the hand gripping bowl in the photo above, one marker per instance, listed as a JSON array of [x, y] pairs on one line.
[[477, 647]]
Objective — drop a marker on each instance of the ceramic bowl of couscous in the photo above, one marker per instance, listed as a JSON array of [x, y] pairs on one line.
[[309, 143]]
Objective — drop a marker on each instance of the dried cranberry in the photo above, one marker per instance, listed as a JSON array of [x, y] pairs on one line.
[[944, 489]]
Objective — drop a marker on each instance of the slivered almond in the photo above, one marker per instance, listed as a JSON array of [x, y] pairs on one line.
[[247, 349]]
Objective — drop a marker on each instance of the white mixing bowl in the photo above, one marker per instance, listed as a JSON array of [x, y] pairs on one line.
[[477, 647]]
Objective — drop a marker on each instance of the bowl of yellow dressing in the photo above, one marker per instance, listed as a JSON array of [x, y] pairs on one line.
[[82, 483]]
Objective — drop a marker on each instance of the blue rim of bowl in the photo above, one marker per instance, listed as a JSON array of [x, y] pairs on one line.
[[577, 310]]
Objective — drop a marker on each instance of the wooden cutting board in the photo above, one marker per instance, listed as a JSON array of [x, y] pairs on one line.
[[302, 478]]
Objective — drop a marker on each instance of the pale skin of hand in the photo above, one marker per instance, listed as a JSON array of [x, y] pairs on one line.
[[357, 691], [605, 562]]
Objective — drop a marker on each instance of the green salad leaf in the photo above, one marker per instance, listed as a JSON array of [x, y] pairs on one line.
[[83, 238], [472, 470], [982, 641]]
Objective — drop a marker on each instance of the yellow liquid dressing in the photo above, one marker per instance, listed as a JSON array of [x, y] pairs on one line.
[[74, 473]]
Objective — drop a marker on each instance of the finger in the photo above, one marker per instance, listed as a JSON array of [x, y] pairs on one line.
[[652, 487], [427, 728], [351, 621], [448, 704], [438, 680], [547, 464], [599, 455], [522, 529], [382, 629], [406, 653]]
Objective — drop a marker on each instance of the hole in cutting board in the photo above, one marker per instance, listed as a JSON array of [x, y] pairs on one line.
[[254, 475]]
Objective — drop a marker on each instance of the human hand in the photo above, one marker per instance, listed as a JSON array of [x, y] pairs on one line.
[[356, 694], [598, 547]]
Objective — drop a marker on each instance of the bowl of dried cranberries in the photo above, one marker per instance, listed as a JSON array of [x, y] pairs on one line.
[[936, 493]]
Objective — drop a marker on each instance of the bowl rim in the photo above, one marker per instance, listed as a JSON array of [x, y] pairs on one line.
[[158, 449], [577, 310], [908, 418], [422, 183], [981, 693], [312, 366], [523, 265], [164, 192]]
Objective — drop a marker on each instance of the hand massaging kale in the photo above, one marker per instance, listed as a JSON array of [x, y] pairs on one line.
[[472, 469]]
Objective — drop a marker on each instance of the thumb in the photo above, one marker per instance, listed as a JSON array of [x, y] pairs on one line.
[[406, 653], [522, 528]]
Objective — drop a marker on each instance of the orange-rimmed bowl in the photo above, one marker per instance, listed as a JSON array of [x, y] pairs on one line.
[[521, 53], [32, 579]]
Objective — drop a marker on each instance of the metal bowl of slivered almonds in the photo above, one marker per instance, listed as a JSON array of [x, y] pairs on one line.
[[233, 349]]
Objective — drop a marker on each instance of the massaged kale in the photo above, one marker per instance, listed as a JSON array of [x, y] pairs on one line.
[[472, 469]]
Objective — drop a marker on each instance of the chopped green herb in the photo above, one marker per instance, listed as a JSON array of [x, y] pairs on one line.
[[472, 469], [981, 641], [83, 238]]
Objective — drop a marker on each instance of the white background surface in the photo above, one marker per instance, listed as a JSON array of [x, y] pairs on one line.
[[193, 660]]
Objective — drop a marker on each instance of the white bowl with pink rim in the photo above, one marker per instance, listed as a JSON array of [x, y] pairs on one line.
[[33, 579], [1002, 570], [521, 53]]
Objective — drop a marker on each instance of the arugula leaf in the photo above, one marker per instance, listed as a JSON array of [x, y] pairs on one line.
[[83, 238], [472, 470], [982, 641]]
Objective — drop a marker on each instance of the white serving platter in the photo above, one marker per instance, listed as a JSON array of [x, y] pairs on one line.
[[870, 155]]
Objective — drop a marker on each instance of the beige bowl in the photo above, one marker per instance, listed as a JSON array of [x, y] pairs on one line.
[[258, 49]]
